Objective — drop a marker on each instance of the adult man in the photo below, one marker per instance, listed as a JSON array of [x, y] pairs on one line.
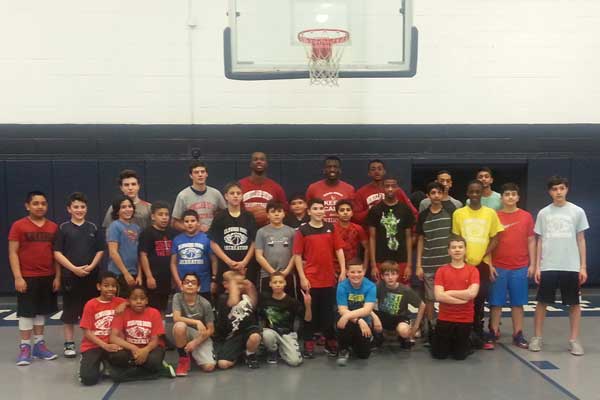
[[129, 183], [448, 202]]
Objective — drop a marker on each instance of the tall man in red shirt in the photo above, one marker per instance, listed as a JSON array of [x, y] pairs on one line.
[[258, 190], [331, 189], [372, 193]]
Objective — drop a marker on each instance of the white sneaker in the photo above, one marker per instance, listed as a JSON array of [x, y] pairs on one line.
[[575, 347], [535, 344]]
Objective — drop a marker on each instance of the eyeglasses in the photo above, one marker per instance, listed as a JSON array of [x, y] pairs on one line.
[[189, 283]]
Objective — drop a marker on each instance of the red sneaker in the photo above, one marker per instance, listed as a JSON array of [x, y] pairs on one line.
[[183, 366]]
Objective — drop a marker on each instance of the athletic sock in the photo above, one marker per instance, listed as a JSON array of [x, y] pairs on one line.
[[249, 353], [181, 352], [37, 338], [26, 341]]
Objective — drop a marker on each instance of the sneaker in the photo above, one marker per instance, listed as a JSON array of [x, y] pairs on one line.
[[535, 344], [331, 348], [183, 366], [519, 340], [309, 349], [69, 350], [342, 358], [575, 347], [490, 341], [24, 357], [167, 370], [272, 357], [41, 351], [252, 361]]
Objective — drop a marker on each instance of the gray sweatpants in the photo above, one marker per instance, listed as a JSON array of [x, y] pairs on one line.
[[288, 346]]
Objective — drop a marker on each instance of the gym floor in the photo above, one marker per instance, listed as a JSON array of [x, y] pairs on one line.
[[504, 373]]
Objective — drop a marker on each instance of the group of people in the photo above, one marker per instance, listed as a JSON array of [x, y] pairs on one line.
[[332, 265]]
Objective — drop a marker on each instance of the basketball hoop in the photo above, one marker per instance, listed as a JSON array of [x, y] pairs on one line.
[[324, 49]]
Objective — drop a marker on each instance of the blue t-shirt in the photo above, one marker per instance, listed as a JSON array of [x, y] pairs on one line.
[[193, 255], [355, 298], [126, 235]]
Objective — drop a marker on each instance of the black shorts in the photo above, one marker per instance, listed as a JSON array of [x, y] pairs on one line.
[[231, 349], [75, 293], [39, 299], [566, 281], [390, 322], [158, 299]]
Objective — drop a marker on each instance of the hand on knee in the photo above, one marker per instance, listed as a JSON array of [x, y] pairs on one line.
[[224, 364]]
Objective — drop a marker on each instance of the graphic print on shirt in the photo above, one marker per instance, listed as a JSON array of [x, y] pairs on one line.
[[391, 303], [330, 199], [138, 331], [191, 253], [162, 248], [559, 226], [476, 230], [374, 199], [272, 241], [276, 316], [253, 194], [39, 236], [131, 234], [205, 209], [102, 322], [238, 313], [235, 238], [355, 301], [390, 223]]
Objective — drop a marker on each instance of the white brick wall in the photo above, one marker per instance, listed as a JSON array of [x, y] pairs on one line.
[[113, 61]]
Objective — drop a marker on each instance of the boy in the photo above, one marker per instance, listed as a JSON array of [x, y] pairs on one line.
[[479, 226], [314, 246], [237, 329], [193, 326], [274, 244], [456, 285], [232, 236], [78, 247], [191, 253], [298, 214], [353, 235], [433, 229], [356, 298], [393, 299], [489, 198], [372, 193], [561, 260], [450, 203], [511, 258], [331, 189], [96, 320], [258, 189], [136, 331], [390, 238], [37, 275], [129, 184], [200, 197], [279, 312]]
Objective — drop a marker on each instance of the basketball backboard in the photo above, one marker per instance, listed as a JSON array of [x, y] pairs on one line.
[[261, 42]]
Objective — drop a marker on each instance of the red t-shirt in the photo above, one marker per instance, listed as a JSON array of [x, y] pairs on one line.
[[35, 247], [352, 236], [512, 251], [97, 317], [456, 279], [257, 196], [330, 195], [317, 247], [370, 195], [138, 329]]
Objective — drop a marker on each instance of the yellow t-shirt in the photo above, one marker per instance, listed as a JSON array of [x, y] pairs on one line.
[[477, 227]]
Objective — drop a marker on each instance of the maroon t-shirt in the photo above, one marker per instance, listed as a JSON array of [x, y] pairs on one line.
[[317, 247], [330, 195], [352, 236], [35, 247]]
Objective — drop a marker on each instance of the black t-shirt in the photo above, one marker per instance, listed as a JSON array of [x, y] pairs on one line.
[[157, 245], [236, 319], [233, 234], [79, 243], [292, 221], [390, 223], [279, 315]]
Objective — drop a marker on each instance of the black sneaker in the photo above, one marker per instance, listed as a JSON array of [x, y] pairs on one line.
[[252, 361], [272, 357], [331, 347], [342, 358], [309, 349]]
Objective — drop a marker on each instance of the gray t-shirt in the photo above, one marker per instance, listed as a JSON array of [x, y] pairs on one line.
[[205, 204], [276, 244], [201, 310], [558, 228], [425, 203], [141, 217], [494, 201]]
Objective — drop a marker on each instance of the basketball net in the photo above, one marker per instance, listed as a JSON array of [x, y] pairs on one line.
[[324, 49]]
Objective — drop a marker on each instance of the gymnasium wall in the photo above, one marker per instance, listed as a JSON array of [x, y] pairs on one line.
[[139, 62]]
